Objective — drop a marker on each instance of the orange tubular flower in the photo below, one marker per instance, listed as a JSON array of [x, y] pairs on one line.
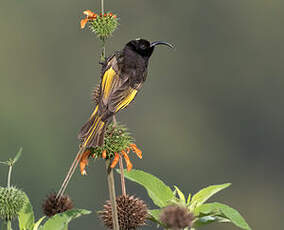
[[125, 153], [115, 160], [84, 162], [104, 154], [127, 160], [89, 16], [136, 150]]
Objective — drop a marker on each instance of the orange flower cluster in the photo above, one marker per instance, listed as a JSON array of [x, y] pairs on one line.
[[90, 16], [84, 161], [129, 165], [85, 156]]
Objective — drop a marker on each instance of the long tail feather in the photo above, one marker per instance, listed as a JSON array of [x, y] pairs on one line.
[[95, 134], [91, 135], [86, 127], [70, 173]]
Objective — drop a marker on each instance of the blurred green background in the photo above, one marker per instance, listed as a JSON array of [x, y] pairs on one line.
[[210, 112]]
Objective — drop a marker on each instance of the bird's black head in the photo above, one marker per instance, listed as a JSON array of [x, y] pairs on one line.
[[144, 47]]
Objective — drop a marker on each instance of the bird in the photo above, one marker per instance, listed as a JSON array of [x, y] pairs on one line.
[[123, 75]]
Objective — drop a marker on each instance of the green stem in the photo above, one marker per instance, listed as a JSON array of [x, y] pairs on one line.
[[110, 177], [9, 176], [8, 222], [3, 225], [111, 188], [122, 180], [103, 55], [102, 5], [7, 225]]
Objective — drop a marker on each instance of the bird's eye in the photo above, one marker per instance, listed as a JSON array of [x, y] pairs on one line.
[[143, 47]]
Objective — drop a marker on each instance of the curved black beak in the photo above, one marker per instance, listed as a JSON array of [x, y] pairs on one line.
[[153, 44]]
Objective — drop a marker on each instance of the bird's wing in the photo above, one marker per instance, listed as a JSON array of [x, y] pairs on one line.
[[116, 92]]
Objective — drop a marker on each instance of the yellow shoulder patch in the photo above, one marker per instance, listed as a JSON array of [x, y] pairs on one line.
[[125, 102], [107, 82]]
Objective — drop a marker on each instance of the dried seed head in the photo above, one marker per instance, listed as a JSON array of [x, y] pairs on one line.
[[52, 206], [176, 217], [132, 213], [11, 202]]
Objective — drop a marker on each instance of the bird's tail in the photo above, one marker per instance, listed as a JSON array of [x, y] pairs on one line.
[[92, 132]]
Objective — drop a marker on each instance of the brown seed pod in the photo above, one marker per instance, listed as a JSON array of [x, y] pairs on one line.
[[132, 213], [52, 206], [176, 217]]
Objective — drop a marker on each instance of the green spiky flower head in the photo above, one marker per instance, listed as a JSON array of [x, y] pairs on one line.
[[103, 25], [117, 142], [117, 138], [11, 202]]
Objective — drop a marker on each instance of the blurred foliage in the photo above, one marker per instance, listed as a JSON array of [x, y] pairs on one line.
[[211, 110]]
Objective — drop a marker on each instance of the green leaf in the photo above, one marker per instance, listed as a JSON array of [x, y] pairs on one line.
[[206, 209], [155, 214], [204, 194], [60, 221], [225, 211], [234, 216], [188, 199], [204, 220], [180, 194], [208, 220], [26, 216], [157, 190], [37, 224], [16, 158]]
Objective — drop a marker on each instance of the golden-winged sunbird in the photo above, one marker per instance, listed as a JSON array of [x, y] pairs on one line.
[[123, 75]]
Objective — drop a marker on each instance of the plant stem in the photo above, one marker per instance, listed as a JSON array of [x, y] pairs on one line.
[[9, 176], [3, 225], [114, 120], [102, 5], [103, 55], [110, 177], [111, 188], [122, 179], [7, 225]]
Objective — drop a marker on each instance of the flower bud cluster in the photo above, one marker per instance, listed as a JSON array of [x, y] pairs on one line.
[[12, 201], [117, 139], [102, 25]]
